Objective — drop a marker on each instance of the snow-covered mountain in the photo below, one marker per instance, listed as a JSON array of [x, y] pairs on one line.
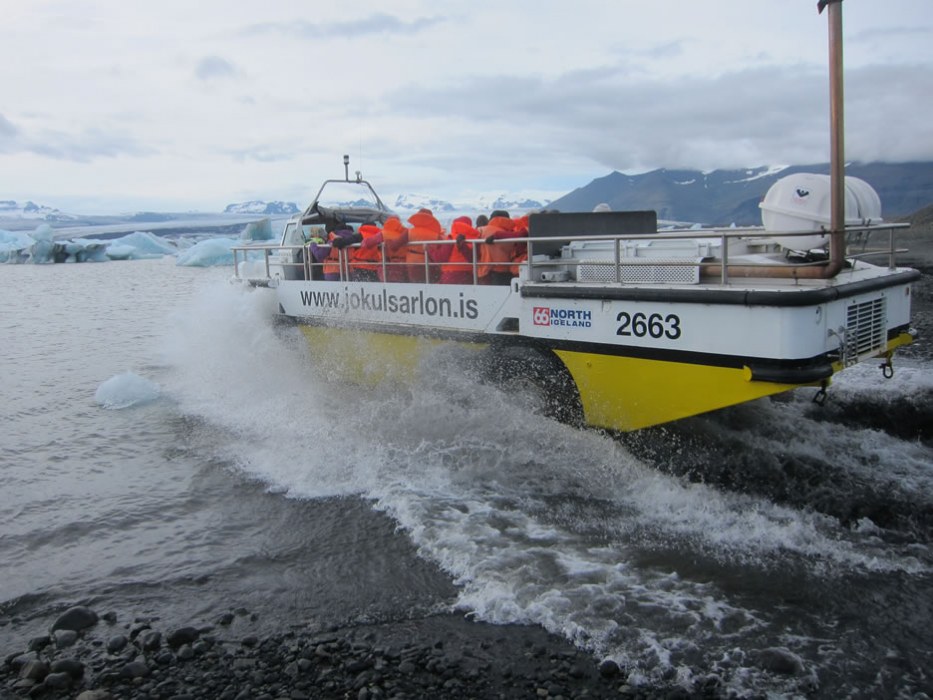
[[414, 202], [406, 203], [10, 209], [276, 208]]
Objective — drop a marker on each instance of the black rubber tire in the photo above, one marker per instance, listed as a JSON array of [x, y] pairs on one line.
[[520, 368]]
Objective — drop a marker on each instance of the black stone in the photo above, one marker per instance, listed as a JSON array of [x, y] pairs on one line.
[[182, 635], [76, 619]]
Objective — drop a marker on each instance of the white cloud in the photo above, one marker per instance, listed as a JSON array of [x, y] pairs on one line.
[[197, 105], [212, 67]]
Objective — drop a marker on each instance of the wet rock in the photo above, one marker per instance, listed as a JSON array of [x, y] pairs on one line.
[[135, 669], [150, 640], [117, 643], [609, 669], [17, 661], [76, 619], [39, 643], [58, 681], [34, 670], [65, 638], [72, 667], [96, 694], [182, 635], [780, 660]]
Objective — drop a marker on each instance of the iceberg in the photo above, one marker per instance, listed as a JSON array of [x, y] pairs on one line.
[[41, 246], [139, 245], [209, 252], [125, 390], [257, 231], [14, 246]]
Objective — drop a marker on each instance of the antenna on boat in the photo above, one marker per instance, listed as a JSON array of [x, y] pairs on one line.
[[837, 134], [346, 167]]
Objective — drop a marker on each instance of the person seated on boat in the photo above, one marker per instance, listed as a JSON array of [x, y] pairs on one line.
[[520, 251], [424, 227], [496, 254], [311, 235], [394, 240], [456, 259], [365, 262], [481, 221], [330, 253]]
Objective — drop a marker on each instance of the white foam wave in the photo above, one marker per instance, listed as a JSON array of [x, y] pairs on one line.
[[536, 522]]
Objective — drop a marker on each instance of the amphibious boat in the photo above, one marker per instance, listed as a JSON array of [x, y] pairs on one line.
[[610, 321]]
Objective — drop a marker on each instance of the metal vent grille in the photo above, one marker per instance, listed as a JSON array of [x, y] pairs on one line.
[[673, 272], [866, 330]]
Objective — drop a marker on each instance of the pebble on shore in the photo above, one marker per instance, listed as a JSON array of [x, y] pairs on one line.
[[442, 656]]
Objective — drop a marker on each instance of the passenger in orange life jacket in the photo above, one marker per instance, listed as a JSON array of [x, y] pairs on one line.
[[424, 227], [520, 251], [394, 239], [496, 254], [329, 253], [365, 261], [456, 258]]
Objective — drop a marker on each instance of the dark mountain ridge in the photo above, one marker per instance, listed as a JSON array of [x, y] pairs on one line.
[[724, 197]]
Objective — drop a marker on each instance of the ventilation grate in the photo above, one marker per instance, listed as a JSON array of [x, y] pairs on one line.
[[674, 272], [866, 330]]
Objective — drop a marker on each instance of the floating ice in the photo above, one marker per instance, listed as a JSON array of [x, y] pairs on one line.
[[41, 246], [14, 246], [139, 245], [125, 390], [210, 251], [257, 231]]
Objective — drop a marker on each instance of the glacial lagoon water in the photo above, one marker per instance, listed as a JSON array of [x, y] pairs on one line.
[[165, 450]]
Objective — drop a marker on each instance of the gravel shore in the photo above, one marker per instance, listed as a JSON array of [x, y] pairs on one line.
[[98, 657]]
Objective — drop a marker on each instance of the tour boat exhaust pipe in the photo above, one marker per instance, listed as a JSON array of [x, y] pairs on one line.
[[837, 165]]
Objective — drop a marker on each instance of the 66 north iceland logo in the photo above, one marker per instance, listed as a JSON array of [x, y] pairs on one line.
[[546, 316]]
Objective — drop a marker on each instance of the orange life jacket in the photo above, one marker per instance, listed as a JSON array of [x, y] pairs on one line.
[[367, 258], [498, 255], [458, 264], [332, 261], [394, 241], [424, 227], [520, 251]]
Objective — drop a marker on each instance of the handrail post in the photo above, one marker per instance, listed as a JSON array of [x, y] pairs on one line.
[[427, 263], [892, 248], [724, 255], [382, 262], [618, 260], [529, 259]]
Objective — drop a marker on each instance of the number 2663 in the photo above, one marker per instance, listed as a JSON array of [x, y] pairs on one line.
[[653, 325]]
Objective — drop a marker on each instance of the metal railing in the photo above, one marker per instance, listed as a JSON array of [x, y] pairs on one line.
[[721, 267]]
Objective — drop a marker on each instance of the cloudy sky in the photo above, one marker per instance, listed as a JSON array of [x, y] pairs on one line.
[[109, 106]]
